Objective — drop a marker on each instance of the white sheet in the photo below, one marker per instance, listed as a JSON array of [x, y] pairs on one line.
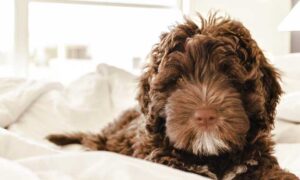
[[288, 156], [101, 165], [13, 171], [27, 159]]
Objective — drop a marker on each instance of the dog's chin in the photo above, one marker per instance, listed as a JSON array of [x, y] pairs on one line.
[[208, 143], [204, 143]]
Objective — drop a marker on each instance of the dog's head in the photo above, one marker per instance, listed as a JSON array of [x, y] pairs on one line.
[[208, 89]]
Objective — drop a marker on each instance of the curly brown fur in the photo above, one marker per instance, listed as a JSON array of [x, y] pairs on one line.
[[218, 71]]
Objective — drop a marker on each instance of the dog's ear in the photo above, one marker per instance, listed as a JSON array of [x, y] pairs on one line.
[[154, 74], [149, 98], [270, 81], [144, 88], [264, 77]]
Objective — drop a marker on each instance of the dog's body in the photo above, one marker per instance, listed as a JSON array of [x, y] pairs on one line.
[[207, 102]]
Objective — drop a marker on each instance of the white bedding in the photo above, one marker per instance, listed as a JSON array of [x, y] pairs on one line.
[[32, 109], [28, 160], [35, 109]]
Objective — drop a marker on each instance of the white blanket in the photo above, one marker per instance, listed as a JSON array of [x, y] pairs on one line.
[[31, 110], [17, 95], [22, 158], [35, 109]]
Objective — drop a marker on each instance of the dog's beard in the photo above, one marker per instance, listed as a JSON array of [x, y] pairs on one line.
[[208, 143]]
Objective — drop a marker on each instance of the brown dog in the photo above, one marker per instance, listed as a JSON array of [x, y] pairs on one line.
[[207, 100]]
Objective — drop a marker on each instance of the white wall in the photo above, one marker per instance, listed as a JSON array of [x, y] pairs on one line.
[[261, 17], [6, 30], [295, 36]]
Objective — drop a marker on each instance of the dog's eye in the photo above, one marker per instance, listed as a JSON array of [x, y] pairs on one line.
[[224, 67], [242, 54], [247, 63], [249, 86], [179, 80]]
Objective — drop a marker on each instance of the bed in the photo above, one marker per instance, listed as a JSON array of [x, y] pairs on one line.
[[30, 110]]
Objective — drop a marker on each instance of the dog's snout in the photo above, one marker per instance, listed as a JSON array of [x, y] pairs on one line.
[[205, 116]]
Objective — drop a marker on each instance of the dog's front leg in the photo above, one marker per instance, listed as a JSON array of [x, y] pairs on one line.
[[88, 140]]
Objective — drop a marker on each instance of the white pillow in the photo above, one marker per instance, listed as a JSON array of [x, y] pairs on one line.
[[289, 64], [289, 107], [123, 87], [87, 104], [289, 67], [286, 132], [290, 85]]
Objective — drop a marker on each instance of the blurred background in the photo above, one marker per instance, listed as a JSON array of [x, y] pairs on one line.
[[63, 39]]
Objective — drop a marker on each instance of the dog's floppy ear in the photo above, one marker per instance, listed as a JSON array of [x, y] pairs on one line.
[[272, 88], [146, 92], [169, 42], [150, 71], [266, 76]]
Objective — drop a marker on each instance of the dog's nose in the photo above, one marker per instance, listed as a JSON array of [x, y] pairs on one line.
[[205, 116]]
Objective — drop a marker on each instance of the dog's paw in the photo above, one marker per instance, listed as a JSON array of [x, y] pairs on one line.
[[62, 139]]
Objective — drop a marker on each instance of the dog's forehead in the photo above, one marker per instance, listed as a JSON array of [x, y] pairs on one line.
[[213, 50], [209, 47]]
